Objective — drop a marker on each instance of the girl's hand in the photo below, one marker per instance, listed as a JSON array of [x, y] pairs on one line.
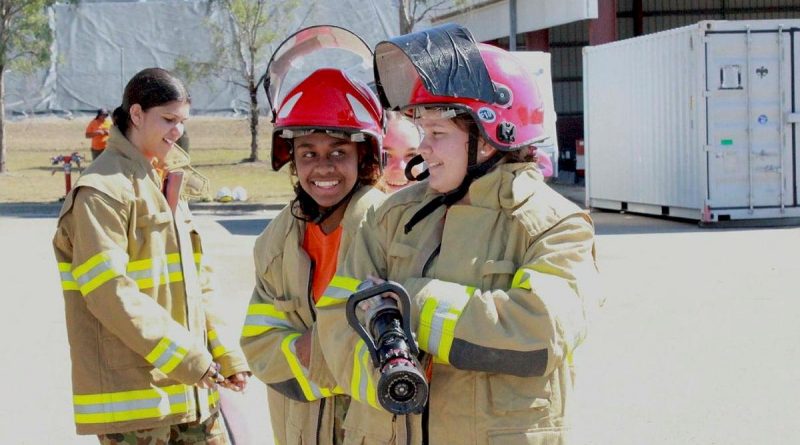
[[212, 377], [237, 382]]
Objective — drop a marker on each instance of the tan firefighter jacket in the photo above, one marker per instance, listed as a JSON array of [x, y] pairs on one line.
[[136, 296], [281, 309], [500, 290]]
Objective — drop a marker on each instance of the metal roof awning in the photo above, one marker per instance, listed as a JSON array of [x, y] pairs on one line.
[[490, 19]]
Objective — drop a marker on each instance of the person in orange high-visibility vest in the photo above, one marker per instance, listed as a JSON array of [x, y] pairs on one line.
[[98, 130]]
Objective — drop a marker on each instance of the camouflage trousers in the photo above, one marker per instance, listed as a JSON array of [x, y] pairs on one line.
[[212, 432]]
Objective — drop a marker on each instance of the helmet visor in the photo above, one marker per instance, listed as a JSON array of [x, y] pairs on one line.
[[311, 49], [444, 59]]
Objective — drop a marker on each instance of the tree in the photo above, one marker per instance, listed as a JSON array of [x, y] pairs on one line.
[[25, 38], [412, 12], [238, 43]]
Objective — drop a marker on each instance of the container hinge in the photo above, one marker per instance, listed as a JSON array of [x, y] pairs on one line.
[[793, 118]]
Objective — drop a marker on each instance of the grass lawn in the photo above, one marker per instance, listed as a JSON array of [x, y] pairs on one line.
[[218, 146]]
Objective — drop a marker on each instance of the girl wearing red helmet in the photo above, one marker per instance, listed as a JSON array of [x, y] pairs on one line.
[[328, 130], [499, 267]]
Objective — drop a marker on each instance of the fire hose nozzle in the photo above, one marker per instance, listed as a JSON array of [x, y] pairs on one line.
[[402, 387]]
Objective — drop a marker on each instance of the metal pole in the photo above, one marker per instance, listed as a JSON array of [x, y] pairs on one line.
[[781, 118], [748, 91], [122, 71], [512, 32], [67, 176]]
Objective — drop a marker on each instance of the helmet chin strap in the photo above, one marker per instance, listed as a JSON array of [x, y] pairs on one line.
[[322, 215], [474, 171], [413, 162]]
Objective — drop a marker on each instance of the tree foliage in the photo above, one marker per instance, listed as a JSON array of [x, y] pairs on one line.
[[241, 32], [25, 38], [411, 12]]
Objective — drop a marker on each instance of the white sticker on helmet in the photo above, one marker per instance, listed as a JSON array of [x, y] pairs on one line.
[[289, 105], [486, 114], [361, 113]]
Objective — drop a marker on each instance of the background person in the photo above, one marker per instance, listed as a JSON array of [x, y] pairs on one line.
[[147, 352], [499, 267], [98, 131], [399, 147]]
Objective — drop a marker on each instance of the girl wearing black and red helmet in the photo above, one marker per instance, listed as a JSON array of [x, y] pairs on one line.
[[328, 129], [499, 267]]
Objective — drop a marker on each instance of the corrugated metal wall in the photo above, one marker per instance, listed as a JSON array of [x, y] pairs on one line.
[[658, 15], [566, 43]]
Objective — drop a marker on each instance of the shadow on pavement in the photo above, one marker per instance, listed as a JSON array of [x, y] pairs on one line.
[[246, 227], [612, 222], [616, 223], [609, 222], [30, 209]]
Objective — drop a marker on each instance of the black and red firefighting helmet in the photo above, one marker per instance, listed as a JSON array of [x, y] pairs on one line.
[[443, 68]]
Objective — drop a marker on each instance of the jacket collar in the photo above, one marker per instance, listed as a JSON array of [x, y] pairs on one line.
[[362, 199], [195, 185], [507, 186], [119, 143]]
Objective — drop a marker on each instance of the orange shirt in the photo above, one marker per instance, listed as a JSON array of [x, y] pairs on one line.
[[99, 142], [324, 251]]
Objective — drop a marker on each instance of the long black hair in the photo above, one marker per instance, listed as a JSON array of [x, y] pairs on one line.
[[150, 87]]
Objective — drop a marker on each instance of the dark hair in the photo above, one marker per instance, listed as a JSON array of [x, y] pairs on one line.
[[150, 87], [101, 112], [369, 171]]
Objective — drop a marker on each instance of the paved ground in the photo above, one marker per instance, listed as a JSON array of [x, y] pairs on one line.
[[697, 344]]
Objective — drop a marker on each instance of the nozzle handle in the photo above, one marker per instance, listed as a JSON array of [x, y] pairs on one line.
[[405, 309]]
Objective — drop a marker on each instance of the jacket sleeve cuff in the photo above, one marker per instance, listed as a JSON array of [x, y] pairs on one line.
[[438, 306], [232, 363], [193, 367]]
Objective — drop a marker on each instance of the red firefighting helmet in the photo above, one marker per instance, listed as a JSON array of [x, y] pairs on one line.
[[330, 101], [443, 68], [329, 67]]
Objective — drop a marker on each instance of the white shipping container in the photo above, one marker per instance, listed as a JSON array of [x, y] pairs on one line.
[[697, 122]]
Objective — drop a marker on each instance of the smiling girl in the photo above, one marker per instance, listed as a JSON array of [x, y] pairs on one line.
[[499, 267], [147, 354], [328, 130]]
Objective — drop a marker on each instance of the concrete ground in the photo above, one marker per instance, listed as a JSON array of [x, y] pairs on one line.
[[697, 343]]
